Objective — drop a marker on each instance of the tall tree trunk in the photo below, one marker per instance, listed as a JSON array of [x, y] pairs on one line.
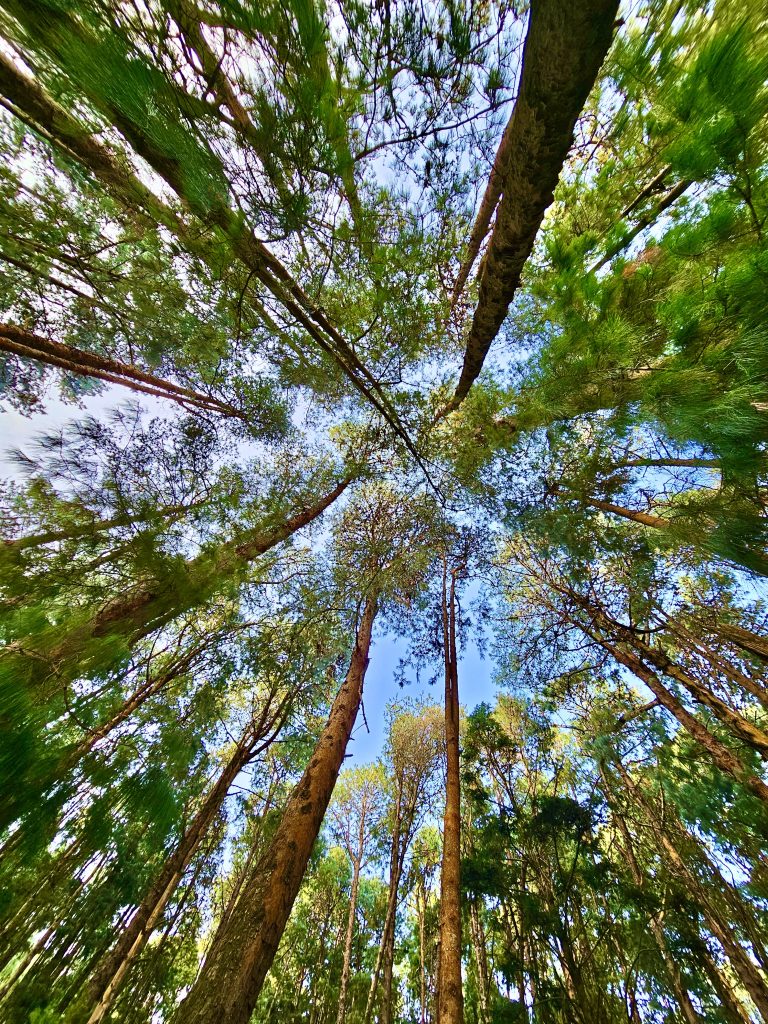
[[24, 343], [746, 971], [477, 934], [733, 1011], [676, 980], [748, 641], [344, 983], [147, 606], [721, 755], [450, 999], [564, 48], [110, 973], [740, 727], [98, 526], [245, 944], [385, 952]]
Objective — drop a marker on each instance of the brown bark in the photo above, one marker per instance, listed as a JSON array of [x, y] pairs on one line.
[[725, 760], [24, 343], [110, 973], [345, 969], [681, 993], [450, 998], [745, 639], [733, 1011], [244, 947], [739, 726], [745, 969], [29, 101], [147, 606], [644, 518], [385, 954], [477, 934], [564, 48]]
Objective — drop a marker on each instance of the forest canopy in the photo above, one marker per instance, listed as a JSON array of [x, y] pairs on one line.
[[362, 328]]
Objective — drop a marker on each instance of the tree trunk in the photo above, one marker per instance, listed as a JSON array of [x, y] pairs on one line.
[[681, 993], [481, 961], [745, 639], [564, 48], [97, 526], [344, 983], [745, 969], [24, 343], [733, 1011], [386, 946], [450, 1000], [725, 760], [147, 606], [245, 944], [110, 974]]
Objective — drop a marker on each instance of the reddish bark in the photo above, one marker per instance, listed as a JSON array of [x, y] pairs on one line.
[[244, 947]]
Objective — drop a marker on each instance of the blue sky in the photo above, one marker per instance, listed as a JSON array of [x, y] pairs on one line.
[[475, 687]]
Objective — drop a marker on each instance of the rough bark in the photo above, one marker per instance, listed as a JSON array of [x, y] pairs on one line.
[[345, 969], [450, 1000], [564, 48], [745, 639], [28, 345], [745, 969], [110, 973], [724, 758], [244, 947]]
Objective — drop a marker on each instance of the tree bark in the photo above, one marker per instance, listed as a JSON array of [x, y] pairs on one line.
[[110, 973], [245, 944], [725, 760], [564, 48], [24, 343], [344, 982], [136, 613], [745, 969], [450, 999]]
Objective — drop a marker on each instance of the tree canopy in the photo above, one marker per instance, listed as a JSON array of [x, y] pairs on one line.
[[344, 328]]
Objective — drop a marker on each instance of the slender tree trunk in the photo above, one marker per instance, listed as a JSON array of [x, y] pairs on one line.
[[740, 727], [721, 755], [645, 221], [676, 980], [422, 960], [97, 526], [450, 999], [746, 682], [481, 961], [733, 1011], [110, 973], [147, 606], [244, 947], [643, 518], [344, 983], [746, 971], [24, 343]]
